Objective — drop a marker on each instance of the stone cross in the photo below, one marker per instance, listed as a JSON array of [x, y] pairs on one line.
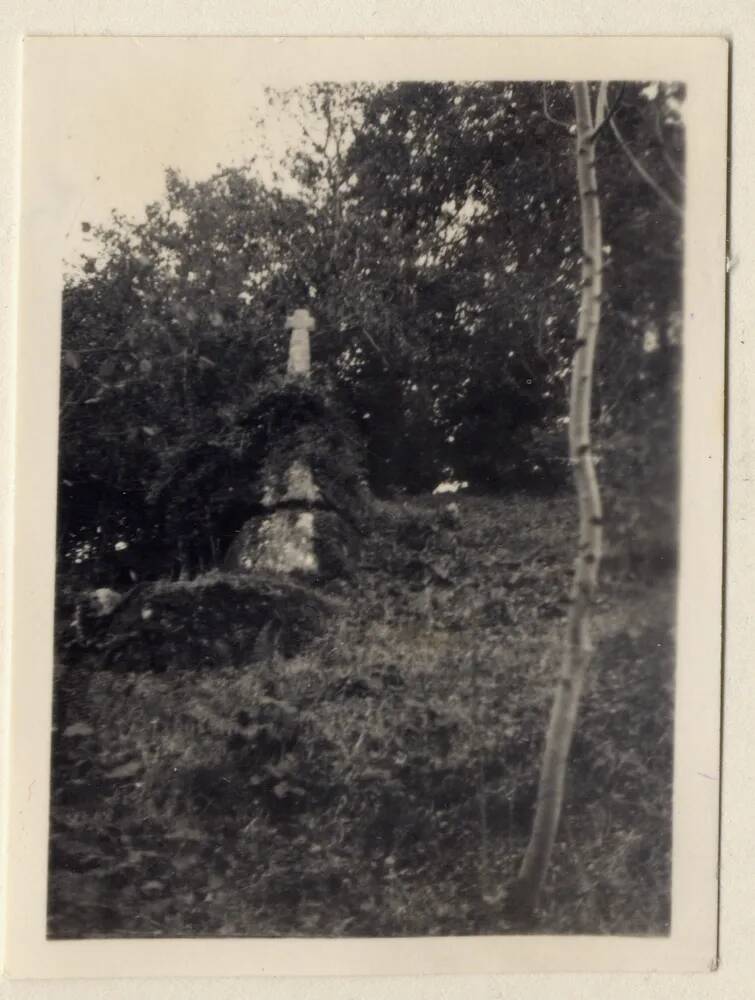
[[300, 322]]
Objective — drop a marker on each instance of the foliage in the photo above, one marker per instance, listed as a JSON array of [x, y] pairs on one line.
[[161, 341], [432, 229]]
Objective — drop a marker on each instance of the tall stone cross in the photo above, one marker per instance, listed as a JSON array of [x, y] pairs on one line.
[[300, 322]]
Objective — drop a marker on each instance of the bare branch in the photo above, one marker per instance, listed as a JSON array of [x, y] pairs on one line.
[[603, 114], [601, 105], [548, 115], [664, 153], [648, 178]]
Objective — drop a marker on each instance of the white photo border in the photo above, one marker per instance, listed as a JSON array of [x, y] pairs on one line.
[[48, 202]]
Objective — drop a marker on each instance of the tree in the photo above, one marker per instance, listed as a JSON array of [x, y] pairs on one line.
[[416, 289], [167, 330], [461, 259], [577, 646]]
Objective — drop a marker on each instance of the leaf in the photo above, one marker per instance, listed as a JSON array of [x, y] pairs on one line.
[[71, 358], [107, 367], [145, 366], [285, 707], [127, 770], [78, 729], [153, 887]]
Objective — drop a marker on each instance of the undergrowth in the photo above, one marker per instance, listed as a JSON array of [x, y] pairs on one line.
[[382, 781]]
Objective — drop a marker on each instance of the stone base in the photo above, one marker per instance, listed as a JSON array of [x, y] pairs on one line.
[[281, 542], [312, 544]]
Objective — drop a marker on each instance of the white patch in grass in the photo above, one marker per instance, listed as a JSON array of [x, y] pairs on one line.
[[451, 486]]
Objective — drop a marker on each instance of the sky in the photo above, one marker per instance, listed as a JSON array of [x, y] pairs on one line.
[[116, 120]]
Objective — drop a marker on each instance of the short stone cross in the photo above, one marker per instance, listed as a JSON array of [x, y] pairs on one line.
[[300, 322]]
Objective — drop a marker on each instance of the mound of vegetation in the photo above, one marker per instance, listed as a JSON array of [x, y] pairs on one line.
[[299, 421], [311, 483]]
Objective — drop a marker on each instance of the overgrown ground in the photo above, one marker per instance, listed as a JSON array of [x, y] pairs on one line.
[[382, 782]]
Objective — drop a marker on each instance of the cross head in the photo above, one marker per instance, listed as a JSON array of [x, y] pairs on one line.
[[300, 319]]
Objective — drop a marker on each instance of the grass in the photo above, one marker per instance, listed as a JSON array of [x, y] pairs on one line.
[[382, 781]]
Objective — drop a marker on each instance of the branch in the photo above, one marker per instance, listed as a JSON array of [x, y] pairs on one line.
[[606, 117], [664, 153], [377, 349], [601, 104], [649, 180], [548, 115]]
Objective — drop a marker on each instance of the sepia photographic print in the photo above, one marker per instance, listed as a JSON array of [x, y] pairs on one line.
[[382, 537]]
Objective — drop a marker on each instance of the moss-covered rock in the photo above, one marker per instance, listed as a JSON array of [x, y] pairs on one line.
[[213, 620]]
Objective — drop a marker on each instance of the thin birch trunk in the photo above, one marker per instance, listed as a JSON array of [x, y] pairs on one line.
[[523, 895]]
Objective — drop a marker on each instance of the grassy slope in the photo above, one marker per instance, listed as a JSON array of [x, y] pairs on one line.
[[383, 782]]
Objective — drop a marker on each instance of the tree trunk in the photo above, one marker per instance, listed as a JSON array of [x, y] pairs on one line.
[[523, 895]]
